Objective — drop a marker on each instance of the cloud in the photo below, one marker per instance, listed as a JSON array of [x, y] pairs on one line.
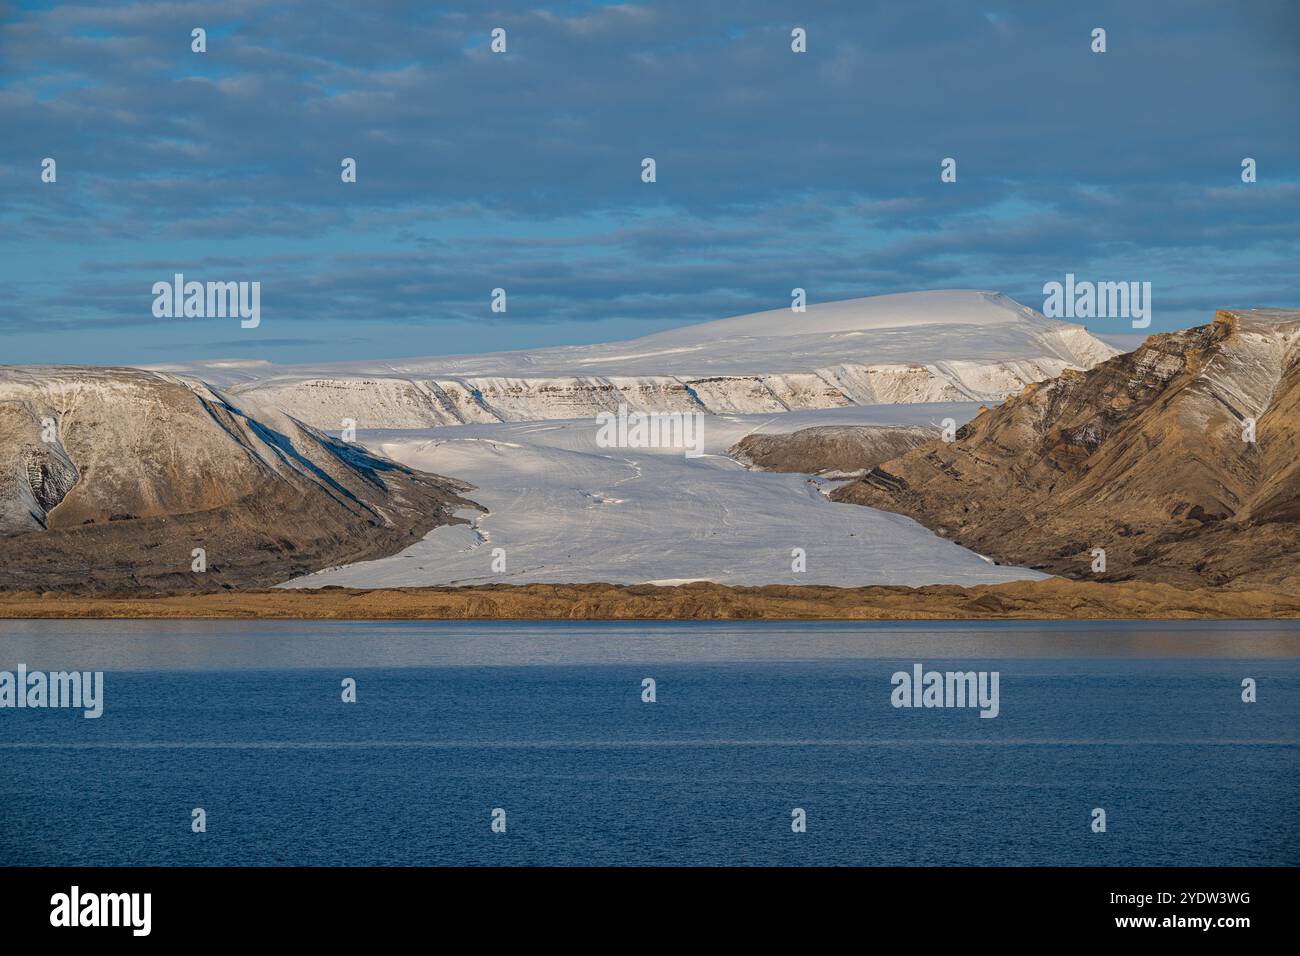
[[521, 170]]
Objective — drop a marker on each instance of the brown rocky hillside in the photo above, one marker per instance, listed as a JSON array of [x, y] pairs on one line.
[[111, 477], [1143, 456]]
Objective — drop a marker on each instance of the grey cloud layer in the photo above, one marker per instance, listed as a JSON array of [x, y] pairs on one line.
[[479, 170]]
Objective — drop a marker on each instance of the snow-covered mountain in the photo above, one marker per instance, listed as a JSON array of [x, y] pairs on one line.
[[956, 345]]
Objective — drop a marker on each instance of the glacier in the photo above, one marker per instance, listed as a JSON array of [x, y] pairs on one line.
[[521, 427], [564, 510], [920, 347]]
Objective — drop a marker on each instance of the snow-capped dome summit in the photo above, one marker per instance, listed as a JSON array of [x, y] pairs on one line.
[[951, 345]]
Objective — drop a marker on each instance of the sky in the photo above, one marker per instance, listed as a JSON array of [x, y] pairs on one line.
[[522, 170]]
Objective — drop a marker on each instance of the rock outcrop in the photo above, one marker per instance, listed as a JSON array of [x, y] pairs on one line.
[[830, 450]]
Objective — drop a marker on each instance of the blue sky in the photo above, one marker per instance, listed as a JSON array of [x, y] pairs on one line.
[[522, 170]]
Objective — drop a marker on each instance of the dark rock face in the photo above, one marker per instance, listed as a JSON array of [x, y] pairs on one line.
[[1145, 456], [830, 449], [110, 479]]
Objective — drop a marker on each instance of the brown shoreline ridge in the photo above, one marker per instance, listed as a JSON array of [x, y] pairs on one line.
[[1046, 599]]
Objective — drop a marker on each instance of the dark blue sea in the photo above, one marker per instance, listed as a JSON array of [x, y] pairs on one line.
[[752, 720]]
